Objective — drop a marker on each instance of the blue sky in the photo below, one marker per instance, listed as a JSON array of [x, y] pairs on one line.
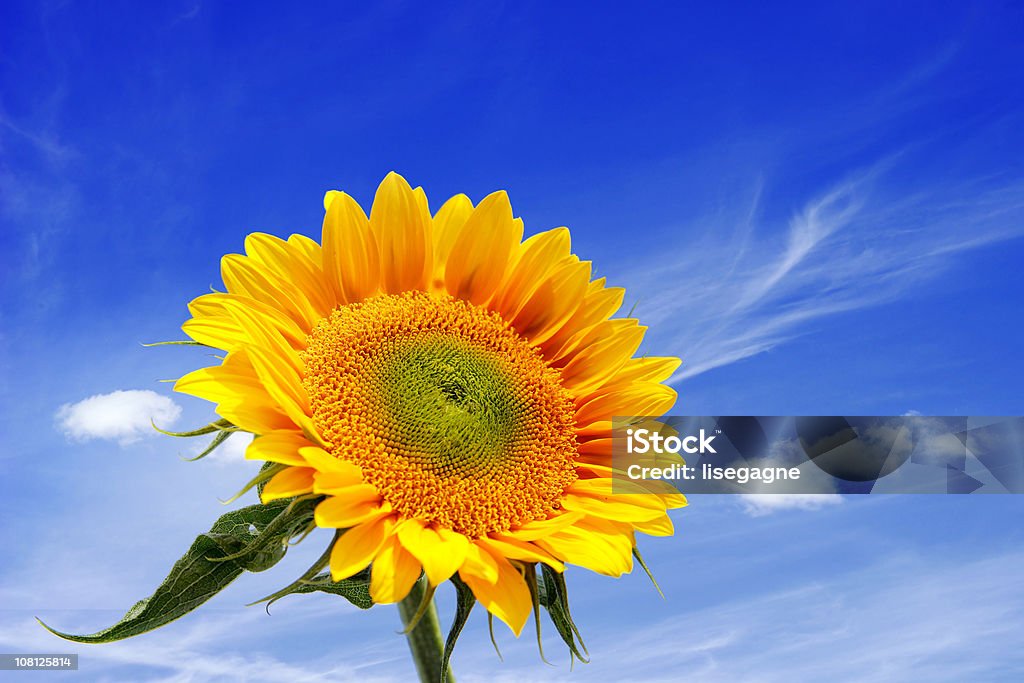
[[821, 210]]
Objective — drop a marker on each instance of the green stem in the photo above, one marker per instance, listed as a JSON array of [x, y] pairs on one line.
[[425, 641]]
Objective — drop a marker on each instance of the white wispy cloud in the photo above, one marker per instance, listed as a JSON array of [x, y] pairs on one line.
[[903, 618], [218, 647], [46, 141], [761, 504], [123, 415], [748, 286]]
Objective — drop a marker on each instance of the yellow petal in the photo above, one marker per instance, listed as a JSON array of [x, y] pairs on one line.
[[401, 223], [599, 304], [515, 549], [393, 574], [553, 302], [211, 324], [343, 512], [672, 498], [646, 369], [323, 461], [596, 469], [358, 546], [630, 508], [255, 418], [604, 446], [279, 369], [612, 343], [291, 265], [286, 390], [213, 385], [480, 564], [531, 531], [603, 487], [480, 254], [440, 551], [337, 483], [239, 394], [292, 481], [351, 253], [639, 399], [660, 526], [308, 247], [536, 261], [599, 545], [264, 335], [508, 598], [250, 278], [329, 198], [448, 221], [279, 446]]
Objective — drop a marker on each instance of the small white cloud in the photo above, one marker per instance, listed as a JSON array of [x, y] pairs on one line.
[[761, 504], [121, 415]]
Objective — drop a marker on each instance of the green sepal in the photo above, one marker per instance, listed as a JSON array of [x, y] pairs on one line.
[[632, 309], [554, 597], [219, 425], [490, 632], [464, 602], [530, 575], [426, 602], [183, 342], [643, 565], [202, 573], [221, 437], [265, 474]]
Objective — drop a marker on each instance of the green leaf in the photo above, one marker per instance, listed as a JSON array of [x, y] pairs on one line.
[[464, 602], [293, 519], [554, 597], [355, 589], [246, 535]]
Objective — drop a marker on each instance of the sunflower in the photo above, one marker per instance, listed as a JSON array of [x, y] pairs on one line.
[[446, 387]]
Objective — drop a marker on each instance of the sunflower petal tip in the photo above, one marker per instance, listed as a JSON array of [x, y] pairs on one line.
[[329, 197], [394, 178]]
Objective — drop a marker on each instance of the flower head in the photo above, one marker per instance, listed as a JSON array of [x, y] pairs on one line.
[[445, 386]]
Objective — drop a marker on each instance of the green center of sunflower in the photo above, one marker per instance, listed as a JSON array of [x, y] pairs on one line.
[[452, 407], [452, 416]]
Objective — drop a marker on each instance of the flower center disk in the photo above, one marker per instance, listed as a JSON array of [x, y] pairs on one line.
[[452, 416]]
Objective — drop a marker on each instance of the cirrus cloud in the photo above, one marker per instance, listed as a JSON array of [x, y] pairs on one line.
[[761, 504]]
